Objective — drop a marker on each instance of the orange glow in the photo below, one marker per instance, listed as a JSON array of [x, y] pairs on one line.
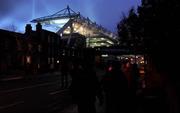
[[141, 72]]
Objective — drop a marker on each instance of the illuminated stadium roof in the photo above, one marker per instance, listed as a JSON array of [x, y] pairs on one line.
[[68, 21]]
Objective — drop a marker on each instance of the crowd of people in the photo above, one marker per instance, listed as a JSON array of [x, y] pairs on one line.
[[116, 89]]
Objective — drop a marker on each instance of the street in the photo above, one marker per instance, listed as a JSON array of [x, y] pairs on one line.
[[33, 95], [43, 94]]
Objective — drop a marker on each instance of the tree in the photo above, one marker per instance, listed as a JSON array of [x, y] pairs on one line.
[[154, 23], [154, 29], [129, 31], [12, 27], [123, 31]]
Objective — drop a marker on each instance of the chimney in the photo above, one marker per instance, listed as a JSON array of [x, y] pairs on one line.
[[38, 27], [28, 28]]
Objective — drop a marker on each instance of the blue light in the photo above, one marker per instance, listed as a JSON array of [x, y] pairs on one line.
[[33, 8], [104, 12]]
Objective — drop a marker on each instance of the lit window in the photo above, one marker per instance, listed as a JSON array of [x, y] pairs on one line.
[[102, 44], [110, 68], [110, 42], [61, 34], [104, 55], [28, 59], [61, 21], [67, 32]]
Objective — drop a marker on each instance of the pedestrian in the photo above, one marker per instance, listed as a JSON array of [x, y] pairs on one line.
[[64, 74], [85, 87], [115, 86]]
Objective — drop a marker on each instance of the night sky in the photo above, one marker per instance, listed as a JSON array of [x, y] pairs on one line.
[[15, 14]]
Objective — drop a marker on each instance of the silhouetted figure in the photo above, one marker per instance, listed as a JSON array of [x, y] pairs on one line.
[[115, 87], [85, 87], [64, 73], [133, 87], [135, 77], [77, 75]]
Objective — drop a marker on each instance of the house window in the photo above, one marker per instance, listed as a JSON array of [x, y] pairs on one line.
[[39, 66], [49, 60], [28, 59], [39, 48], [53, 60]]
